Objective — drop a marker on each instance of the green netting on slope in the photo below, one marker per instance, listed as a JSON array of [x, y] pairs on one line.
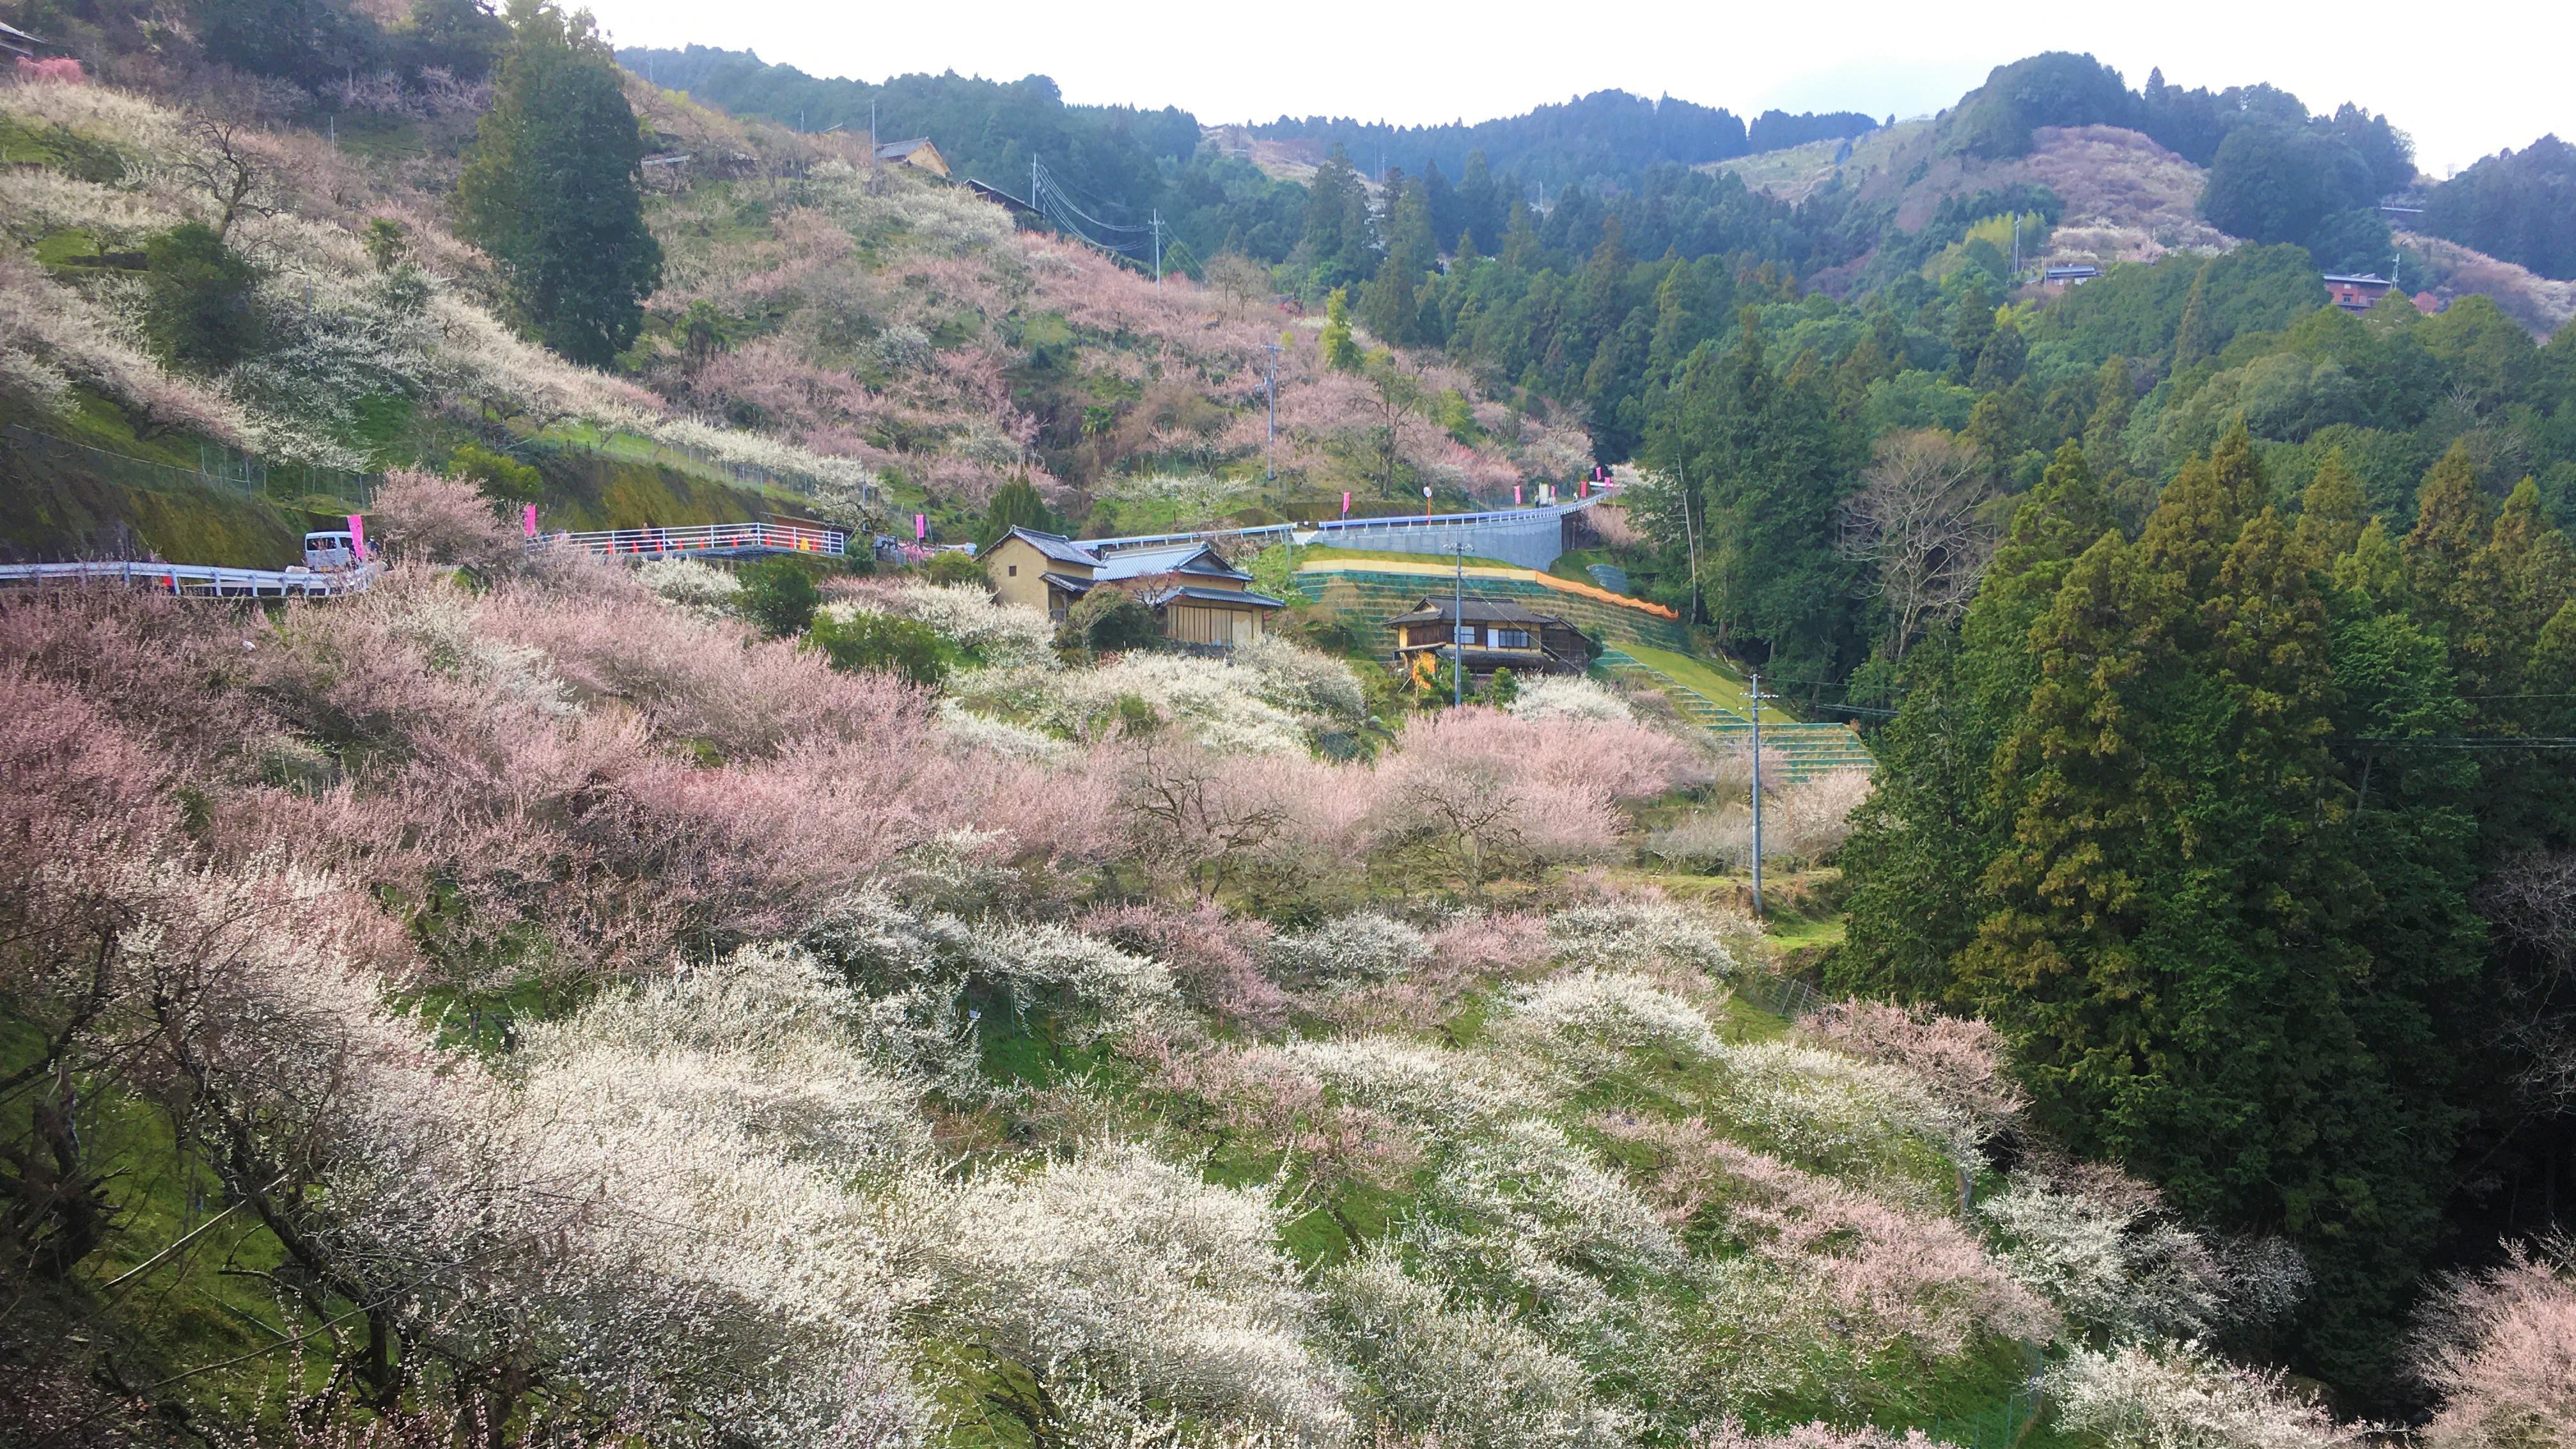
[[1374, 598]]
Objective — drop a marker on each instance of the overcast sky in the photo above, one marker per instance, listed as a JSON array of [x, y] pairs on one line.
[[2464, 78]]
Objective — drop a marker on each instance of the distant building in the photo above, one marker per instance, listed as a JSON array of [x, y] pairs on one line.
[[2075, 275], [2355, 294], [1200, 598], [916, 152], [1489, 634]]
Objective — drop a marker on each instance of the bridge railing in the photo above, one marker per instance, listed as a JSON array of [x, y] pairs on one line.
[[195, 580], [702, 538]]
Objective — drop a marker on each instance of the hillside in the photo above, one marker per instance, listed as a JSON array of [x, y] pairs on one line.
[[993, 1103], [821, 333], [541, 1000]]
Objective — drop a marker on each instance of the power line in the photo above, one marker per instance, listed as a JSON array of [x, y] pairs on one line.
[[1073, 193], [1056, 192]]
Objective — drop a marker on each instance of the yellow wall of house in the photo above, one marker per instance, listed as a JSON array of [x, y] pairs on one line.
[[1016, 570]]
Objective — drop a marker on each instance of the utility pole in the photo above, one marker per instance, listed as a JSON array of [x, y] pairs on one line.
[[1270, 444], [872, 146], [1458, 632], [1757, 797], [1033, 191], [1158, 246]]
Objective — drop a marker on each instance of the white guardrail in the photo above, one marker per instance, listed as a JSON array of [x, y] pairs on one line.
[[195, 580], [722, 539]]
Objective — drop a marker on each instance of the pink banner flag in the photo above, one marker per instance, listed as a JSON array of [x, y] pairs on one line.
[[528, 520], [358, 536], [1583, 489], [921, 526], [1346, 505], [1516, 495]]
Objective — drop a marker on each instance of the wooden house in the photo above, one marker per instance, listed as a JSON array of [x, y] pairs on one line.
[[2355, 293], [916, 152], [1201, 599], [1489, 634]]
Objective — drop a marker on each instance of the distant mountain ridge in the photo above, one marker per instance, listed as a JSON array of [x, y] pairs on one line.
[[1608, 138]]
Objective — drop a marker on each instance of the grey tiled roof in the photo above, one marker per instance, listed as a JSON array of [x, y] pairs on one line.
[[1056, 546]]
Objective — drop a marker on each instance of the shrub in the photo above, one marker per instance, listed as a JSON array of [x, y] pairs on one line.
[[778, 597], [1109, 620], [500, 474], [200, 308], [953, 566], [862, 639]]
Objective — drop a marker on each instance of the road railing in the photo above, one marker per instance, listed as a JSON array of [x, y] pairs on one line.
[[192, 580], [724, 540]]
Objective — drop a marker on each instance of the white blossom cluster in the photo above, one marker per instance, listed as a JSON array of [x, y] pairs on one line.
[[1361, 947], [915, 971], [1588, 1018], [1567, 696], [1473, 1374], [1001, 636], [1648, 936], [1215, 704], [1136, 1275], [2181, 1396], [701, 588], [983, 734]]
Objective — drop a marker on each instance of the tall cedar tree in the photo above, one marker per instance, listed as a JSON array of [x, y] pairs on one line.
[[2217, 960], [553, 187], [1392, 301], [1771, 469], [1335, 251]]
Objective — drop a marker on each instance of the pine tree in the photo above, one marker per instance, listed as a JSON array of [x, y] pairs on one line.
[[1973, 322], [1334, 249], [2197, 337], [553, 187], [1677, 322], [1520, 239], [1341, 351], [2106, 431], [2332, 512], [2000, 359], [1480, 202], [2449, 570], [1771, 468], [1392, 301]]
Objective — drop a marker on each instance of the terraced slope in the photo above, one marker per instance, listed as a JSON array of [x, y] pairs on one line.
[[1640, 644], [1810, 748]]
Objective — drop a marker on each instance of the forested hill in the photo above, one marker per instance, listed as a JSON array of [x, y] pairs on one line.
[[1607, 137], [990, 129]]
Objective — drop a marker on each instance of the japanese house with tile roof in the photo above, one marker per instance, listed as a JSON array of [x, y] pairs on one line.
[[1491, 634], [1200, 598]]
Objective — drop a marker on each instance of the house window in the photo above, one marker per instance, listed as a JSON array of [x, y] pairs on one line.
[[1511, 639], [1462, 634], [1015, 571]]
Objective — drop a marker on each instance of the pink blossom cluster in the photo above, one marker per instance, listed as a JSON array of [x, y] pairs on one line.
[[2500, 1348], [1898, 1273]]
